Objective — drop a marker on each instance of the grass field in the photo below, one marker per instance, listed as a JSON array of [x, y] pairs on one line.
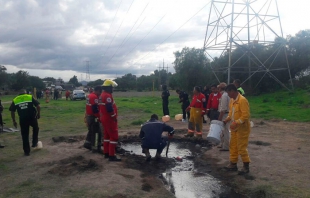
[[62, 118], [69, 114]]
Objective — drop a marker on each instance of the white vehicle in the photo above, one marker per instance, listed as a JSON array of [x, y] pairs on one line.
[[78, 94]]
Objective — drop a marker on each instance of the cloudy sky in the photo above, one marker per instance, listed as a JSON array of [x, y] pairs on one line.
[[59, 38]]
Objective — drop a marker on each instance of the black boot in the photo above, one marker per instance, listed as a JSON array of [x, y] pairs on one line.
[[231, 167], [106, 155], [114, 159], [245, 169]]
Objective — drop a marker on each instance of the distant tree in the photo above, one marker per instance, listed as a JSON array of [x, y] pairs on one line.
[[75, 81], [3, 75], [20, 80], [36, 82], [51, 79], [95, 83], [299, 51], [128, 81], [191, 68]]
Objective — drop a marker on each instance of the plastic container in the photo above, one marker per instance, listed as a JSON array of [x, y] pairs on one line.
[[216, 129], [178, 117], [165, 118], [39, 145]]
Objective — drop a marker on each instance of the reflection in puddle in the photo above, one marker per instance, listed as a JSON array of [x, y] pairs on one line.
[[183, 180]]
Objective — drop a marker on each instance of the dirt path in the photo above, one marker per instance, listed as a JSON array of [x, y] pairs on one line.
[[279, 152]]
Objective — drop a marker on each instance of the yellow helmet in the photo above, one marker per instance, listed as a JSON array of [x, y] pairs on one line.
[[109, 82]]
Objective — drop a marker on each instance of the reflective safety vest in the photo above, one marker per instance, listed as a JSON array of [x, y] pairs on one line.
[[241, 91], [24, 105]]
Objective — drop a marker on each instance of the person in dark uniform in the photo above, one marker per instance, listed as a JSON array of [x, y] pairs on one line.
[[92, 119], [28, 110], [1, 122], [165, 97], [151, 135], [183, 96]]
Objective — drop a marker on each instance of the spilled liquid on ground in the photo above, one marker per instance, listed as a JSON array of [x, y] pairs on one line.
[[184, 180]]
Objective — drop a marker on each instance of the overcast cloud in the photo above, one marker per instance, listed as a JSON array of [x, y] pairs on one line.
[[56, 38]]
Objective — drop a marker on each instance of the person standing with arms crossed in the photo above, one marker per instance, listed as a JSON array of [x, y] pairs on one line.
[[28, 110], [165, 97], [239, 118], [108, 118], [213, 103], [93, 121]]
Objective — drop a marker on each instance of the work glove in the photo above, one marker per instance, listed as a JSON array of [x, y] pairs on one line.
[[233, 126], [187, 109]]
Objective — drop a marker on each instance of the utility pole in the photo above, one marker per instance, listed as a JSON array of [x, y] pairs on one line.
[[87, 77], [159, 79]]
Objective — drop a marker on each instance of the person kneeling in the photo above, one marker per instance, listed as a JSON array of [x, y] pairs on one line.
[[151, 135]]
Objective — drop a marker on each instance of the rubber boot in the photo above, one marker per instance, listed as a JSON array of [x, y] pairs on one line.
[[114, 159], [198, 135], [245, 169], [106, 155], [148, 155], [158, 156], [231, 167], [189, 135]]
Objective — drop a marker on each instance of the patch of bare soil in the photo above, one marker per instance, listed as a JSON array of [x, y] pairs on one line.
[[279, 153], [73, 165]]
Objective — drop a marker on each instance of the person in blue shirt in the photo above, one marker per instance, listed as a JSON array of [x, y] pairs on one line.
[[151, 135]]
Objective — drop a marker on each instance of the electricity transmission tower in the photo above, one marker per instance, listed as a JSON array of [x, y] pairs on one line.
[[87, 76], [236, 30]]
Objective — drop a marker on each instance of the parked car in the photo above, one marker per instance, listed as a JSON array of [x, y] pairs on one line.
[[78, 94]]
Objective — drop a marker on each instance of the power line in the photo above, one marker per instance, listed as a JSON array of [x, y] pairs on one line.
[[174, 32], [128, 33], [112, 22], [146, 34], [119, 27]]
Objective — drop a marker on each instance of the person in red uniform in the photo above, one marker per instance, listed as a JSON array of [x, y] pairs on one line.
[[197, 110], [92, 120], [213, 103], [108, 118]]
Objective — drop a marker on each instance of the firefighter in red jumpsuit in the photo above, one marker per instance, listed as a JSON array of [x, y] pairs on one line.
[[92, 120], [108, 118], [197, 110]]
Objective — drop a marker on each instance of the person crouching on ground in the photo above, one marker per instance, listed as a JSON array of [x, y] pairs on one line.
[[151, 135], [197, 110], [239, 118]]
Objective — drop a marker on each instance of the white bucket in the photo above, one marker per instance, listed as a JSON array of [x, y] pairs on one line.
[[178, 117], [39, 145], [216, 129]]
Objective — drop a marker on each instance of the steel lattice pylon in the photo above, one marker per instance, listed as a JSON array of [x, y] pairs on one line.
[[246, 25]]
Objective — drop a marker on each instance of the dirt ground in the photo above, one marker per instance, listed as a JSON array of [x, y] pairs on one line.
[[279, 152]]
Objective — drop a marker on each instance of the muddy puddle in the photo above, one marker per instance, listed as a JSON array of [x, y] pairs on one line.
[[182, 177]]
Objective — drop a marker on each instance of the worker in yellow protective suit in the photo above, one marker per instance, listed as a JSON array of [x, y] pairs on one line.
[[239, 116], [197, 109]]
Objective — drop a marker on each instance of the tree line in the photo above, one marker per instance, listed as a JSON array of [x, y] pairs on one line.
[[193, 68]]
